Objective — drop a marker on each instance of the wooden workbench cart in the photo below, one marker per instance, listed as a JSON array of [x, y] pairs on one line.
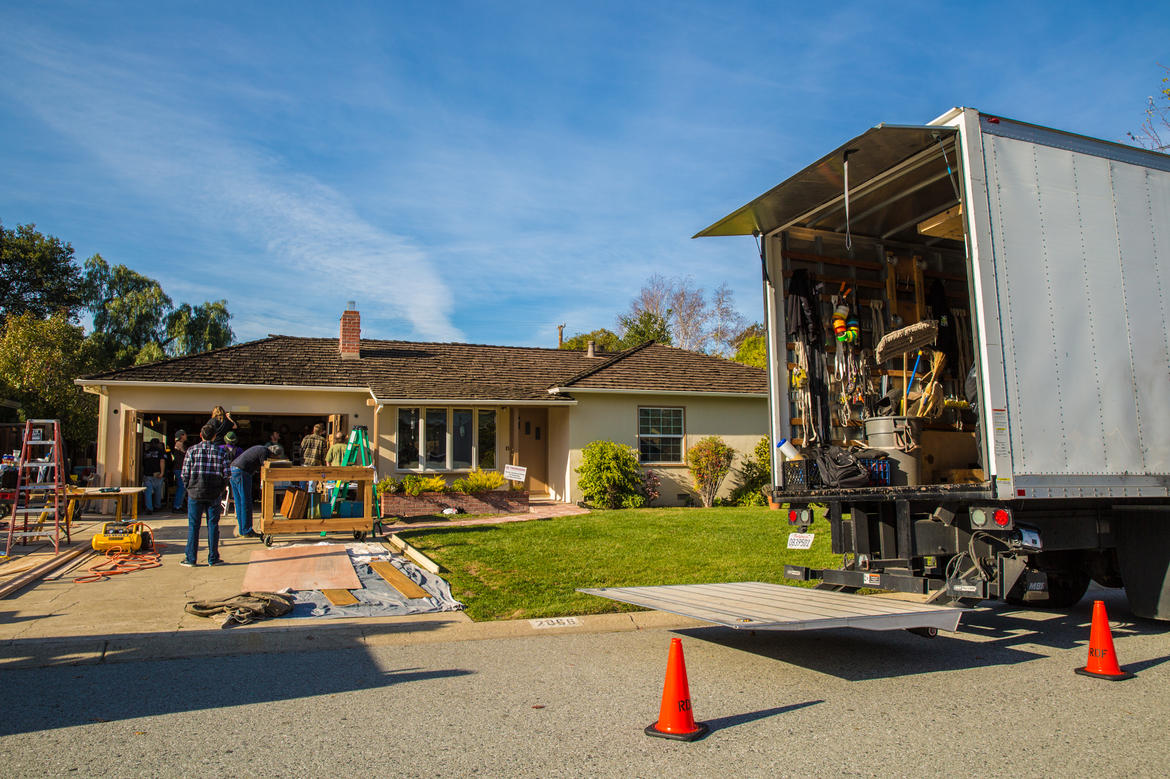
[[272, 523]]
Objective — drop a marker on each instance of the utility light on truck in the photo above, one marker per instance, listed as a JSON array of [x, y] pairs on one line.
[[978, 518], [1002, 517]]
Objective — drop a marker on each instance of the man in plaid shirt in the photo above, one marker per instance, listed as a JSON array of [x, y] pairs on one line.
[[205, 472]]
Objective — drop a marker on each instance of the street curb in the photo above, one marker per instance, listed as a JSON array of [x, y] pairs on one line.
[[313, 636]]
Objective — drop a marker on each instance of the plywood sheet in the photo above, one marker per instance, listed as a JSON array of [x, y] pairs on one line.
[[398, 580], [320, 567], [340, 597]]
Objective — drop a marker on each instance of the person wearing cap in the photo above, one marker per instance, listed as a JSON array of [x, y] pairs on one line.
[[230, 452], [178, 452]]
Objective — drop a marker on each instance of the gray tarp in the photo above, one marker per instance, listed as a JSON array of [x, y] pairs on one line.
[[377, 598]]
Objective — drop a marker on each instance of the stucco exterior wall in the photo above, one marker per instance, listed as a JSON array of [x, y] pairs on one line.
[[120, 401], [740, 422], [559, 476]]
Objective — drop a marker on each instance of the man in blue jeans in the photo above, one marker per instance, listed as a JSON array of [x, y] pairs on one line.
[[205, 473], [153, 461], [243, 468]]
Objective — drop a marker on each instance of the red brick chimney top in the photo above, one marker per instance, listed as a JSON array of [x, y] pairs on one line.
[[350, 343]]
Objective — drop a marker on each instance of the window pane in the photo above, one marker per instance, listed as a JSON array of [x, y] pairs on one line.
[[408, 438], [436, 439], [487, 440], [659, 449], [461, 437]]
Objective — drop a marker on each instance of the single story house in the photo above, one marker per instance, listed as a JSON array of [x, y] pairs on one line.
[[442, 408]]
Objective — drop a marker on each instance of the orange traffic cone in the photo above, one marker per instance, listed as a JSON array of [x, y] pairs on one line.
[[675, 719], [1102, 659]]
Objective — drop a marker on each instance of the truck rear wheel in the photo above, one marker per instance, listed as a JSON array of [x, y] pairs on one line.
[[1143, 549]]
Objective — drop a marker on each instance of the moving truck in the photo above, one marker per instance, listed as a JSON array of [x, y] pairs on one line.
[[1037, 458]]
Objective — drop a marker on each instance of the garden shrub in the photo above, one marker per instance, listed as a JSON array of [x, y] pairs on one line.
[[709, 461], [413, 484], [478, 481], [388, 486], [753, 477], [651, 486], [610, 476]]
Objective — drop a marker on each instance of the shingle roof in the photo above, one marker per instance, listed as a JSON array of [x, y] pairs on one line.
[[449, 371]]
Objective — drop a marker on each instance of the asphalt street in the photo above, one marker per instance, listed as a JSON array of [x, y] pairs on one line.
[[998, 698]]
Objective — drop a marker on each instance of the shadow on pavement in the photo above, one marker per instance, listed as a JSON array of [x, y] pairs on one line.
[[50, 698], [739, 719], [989, 635]]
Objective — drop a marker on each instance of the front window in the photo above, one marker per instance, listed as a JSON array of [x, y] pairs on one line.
[[446, 439], [408, 422], [660, 435]]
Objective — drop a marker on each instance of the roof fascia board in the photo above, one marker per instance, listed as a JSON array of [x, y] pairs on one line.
[[471, 402], [701, 393], [215, 385]]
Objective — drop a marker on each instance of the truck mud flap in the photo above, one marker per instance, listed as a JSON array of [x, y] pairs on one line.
[[765, 606]]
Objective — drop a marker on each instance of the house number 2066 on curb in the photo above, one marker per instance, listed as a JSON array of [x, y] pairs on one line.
[[800, 540], [555, 622]]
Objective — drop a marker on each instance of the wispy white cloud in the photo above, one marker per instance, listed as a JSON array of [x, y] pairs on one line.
[[313, 244]]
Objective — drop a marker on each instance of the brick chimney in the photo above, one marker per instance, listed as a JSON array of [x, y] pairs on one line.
[[350, 344]]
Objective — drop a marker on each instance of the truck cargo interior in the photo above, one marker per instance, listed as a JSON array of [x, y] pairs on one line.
[[885, 259]]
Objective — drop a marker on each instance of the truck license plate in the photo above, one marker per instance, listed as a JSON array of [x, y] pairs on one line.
[[800, 540]]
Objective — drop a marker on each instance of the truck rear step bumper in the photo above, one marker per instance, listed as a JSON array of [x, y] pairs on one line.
[[764, 606]]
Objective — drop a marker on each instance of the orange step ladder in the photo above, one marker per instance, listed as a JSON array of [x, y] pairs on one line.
[[40, 484]]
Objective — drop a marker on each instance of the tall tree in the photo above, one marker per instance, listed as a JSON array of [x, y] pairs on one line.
[[726, 322], [643, 327], [603, 340], [1154, 132], [129, 310], [689, 316], [134, 321], [39, 359], [37, 275]]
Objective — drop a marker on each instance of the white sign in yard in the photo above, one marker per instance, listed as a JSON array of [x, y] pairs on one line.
[[800, 540], [515, 472], [555, 622]]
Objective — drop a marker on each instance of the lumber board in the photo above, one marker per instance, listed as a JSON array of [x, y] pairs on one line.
[[30, 576], [21, 564], [339, 597], [398, 580], [395, 543]]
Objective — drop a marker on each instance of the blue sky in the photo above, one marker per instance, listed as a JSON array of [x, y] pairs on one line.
[[485, 171]]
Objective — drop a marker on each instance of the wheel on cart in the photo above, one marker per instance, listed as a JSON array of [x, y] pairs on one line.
[[359, 535], [267, 540]]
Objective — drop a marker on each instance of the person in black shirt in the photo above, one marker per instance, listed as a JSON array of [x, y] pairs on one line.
[[243, 469]]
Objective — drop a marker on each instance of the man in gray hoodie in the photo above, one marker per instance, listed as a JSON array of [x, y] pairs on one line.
[[205, 473]]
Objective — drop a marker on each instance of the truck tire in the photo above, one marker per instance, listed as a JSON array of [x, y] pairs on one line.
[[1143, 549]]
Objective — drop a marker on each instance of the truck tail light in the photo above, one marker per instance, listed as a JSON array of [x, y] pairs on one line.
[[1002, 517], [793, 516]]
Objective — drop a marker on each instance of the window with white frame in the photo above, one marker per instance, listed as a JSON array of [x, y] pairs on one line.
[[660, 434], [446, 439]]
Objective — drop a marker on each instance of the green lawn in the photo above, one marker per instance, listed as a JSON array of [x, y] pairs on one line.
[[526, 570]]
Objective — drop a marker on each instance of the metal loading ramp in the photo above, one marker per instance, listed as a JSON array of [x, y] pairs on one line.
[[763, 606]]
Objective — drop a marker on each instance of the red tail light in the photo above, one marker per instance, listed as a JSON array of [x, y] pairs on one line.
[[1002, 518], [792, 516]]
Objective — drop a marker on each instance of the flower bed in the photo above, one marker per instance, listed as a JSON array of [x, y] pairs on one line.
[[425, 504]]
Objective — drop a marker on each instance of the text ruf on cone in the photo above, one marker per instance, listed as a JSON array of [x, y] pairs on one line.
[[1102, 662], [675, 719]]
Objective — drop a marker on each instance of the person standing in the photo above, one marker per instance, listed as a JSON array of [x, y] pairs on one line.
[[243, 469], [153, 462], [177, 452], [275, 450], [230, 452], [313, 451], [221, 421], [336, 453], [205, 472], [313, 446]]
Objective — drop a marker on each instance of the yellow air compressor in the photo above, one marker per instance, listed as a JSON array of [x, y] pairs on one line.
[[127, 536]]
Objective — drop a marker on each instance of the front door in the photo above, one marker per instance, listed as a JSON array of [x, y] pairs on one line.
[[532, 449]]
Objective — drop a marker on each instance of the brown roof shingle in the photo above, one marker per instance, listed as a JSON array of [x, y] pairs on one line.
[[449, 371]]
